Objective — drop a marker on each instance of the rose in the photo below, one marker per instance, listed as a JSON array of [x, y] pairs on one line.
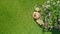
[[36, 15]]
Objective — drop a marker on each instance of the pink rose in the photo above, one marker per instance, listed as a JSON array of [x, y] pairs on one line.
[[36, 15]]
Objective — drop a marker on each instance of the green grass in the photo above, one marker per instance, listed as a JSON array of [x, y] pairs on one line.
[[16, 17]]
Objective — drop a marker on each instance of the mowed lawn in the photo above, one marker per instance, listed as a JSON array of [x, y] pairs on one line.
[[16, 17]]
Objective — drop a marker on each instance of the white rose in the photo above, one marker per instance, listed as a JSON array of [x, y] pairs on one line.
[[43, 5], [48, 1], [54, 3], [47, 6], [58, 1], [37, 9]]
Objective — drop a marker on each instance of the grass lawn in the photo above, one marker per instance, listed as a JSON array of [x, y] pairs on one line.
[[16, 17]]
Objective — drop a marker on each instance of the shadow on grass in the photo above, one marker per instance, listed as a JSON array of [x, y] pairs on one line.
[[55, 31]]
